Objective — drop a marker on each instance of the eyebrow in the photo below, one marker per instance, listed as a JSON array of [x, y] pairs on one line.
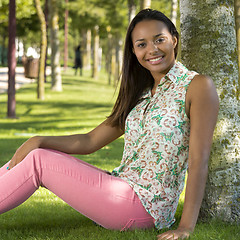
[[155, 36]]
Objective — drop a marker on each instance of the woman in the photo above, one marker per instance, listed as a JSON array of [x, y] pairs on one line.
[[168, 115]]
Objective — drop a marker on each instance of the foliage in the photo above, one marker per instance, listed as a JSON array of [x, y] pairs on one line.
[[163, 6], [28, 29], [83, 14]]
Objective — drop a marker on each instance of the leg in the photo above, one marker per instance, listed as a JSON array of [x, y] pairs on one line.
[[103, 198]]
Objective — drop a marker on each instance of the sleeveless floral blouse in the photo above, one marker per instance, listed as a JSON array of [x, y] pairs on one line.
[[155, 154]]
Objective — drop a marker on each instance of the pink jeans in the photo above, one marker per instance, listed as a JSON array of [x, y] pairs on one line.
[[107, 200]]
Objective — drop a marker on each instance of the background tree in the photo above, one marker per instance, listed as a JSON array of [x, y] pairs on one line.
[[83, 23], [174, 11], [131, 9], [41, 78], [209, 47], [4, 10], [95, 51], [46, 21], [55, 50], [114, 33], [145, 4], [27, 31], [66, 36], [11, 113]]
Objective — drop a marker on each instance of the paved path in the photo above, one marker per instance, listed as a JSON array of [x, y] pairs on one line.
[[19, 78]]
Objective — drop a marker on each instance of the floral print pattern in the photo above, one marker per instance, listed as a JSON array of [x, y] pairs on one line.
[[155, 153]]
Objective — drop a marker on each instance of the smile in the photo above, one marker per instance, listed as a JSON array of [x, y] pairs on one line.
[[155, 60]]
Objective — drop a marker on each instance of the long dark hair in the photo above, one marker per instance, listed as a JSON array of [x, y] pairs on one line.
[[135, 78]]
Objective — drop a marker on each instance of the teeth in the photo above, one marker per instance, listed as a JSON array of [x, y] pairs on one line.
[[155, 59]]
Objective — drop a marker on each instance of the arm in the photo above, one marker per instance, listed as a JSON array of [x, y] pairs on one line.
[[202, 108], [72, 144]]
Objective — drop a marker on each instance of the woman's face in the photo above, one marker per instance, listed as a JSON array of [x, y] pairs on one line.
[[154, 46]]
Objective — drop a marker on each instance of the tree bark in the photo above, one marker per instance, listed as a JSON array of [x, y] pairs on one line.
[[46, 21], [113, 64], [41, 78], [109, 56], [237, 21], [209, 47], [95, 52], [88, 50], [119, 55], [11, 113], [55, 51], [66, 37]]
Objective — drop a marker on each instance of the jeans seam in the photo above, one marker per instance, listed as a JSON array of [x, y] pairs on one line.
[[16, 189]]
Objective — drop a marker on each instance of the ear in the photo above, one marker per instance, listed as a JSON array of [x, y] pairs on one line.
[[175, 41]]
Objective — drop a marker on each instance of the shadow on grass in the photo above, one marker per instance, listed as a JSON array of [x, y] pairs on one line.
[[53, 219]]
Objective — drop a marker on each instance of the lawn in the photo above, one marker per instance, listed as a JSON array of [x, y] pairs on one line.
[[83, 104]]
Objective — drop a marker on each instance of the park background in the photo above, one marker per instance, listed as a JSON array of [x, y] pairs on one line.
[[64, 103]]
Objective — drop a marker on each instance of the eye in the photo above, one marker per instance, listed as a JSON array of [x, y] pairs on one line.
[[159, 40], [141, 45]]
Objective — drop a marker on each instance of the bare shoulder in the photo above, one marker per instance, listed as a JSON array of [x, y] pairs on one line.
[[202, 82], [201, 94], [202, 86]]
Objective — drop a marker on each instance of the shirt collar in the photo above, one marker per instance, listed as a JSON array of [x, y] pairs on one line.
[[176, 73]]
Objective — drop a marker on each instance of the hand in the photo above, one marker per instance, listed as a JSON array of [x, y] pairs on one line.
[[175, 234], [23, 151]]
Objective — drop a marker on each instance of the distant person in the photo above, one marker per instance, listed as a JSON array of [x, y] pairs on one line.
[[78, 60], [167, 113]]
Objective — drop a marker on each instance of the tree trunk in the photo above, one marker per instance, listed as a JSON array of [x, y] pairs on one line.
[[40, 88], [119, 55], [46, 21], [113, 64], [209, 47], [87, 62], [174, 11], [237, 20], [109, 57], [145, 4], [55, 51], [131, 10], [95, 52], [11, 113], [66, 37]]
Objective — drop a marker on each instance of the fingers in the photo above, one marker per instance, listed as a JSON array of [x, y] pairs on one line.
[[12, 163], [173, 235], [168, 236]]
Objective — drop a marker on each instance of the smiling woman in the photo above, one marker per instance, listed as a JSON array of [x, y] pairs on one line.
[[156, 51], [167, 114]]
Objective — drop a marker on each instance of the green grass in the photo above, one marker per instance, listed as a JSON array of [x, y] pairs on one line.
[[82, 105]]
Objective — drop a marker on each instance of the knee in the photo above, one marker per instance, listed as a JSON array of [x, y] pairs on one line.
[[37, 152]]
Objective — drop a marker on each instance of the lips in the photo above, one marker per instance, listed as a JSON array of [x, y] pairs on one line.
[[155, 60]]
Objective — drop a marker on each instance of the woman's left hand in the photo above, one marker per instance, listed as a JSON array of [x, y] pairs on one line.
[[174, 234]]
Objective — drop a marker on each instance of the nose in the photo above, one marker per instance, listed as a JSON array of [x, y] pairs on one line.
[[153, 48]]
